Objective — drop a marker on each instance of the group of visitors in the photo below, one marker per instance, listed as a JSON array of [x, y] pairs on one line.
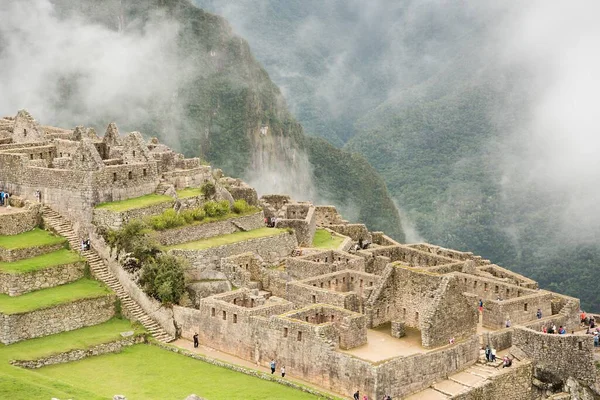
[[85, 245], [273, 365], [587, 321], [356, 396], [270, 222], [490, 353], [4, 198], [561, 330]]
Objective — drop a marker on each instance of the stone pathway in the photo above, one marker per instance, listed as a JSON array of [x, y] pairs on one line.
[[102, 273], [231, 359]]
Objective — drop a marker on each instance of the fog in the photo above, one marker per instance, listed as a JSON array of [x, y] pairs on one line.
[[67, 71]]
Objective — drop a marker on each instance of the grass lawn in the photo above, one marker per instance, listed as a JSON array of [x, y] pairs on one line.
[[81, 289], [227, 239], [324, 240], [59, 257], [136, 202], [33, 238], [189, 192], [21, 384], [148, 372]]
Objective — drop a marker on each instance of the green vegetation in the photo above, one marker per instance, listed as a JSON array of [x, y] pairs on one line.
[[209, 190], [189, 192], [227, 239], [45, 298], [211, 212], [164, 279], [137, 202], [164, 375], [22, 384], [59, 257], [325, 240], [34, 238]]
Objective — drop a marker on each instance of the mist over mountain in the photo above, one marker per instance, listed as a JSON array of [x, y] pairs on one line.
[[477, 114]]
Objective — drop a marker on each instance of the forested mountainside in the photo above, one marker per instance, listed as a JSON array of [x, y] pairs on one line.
[[455, 105], [209, 97]]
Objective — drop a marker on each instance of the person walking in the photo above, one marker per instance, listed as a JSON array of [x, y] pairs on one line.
[[539, 313], [273, 366], [196, 340], [356, 395], [283, 371]]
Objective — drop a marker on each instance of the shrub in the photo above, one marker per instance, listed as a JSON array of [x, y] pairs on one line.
[[209, 190], [133, 239], [172, 219], [210, 208], [198, 214], [164, 279], [188, 216], [223, 208], [240, 206]]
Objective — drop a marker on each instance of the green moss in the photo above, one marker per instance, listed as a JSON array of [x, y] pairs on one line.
[[45, 298], [34, 238], [227, 239], [325, 240], [135, 203], [60, 257]]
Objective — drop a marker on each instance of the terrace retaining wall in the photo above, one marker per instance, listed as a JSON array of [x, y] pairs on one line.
[[10, 255], [61, 318], [15, 284], [23, 220]]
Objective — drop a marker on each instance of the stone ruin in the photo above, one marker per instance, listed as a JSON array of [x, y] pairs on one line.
[[382, 317]]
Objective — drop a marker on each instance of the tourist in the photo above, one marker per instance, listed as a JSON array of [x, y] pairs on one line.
[[488, 353], [2, 197], [583, 317], [87, 244], [38, 196], [452, 340], [365, 397], [196, 340], [480, 305], [493, 354], [539, 313], [551, 329], [82, 245], [506, 362], [273, 364], [6, 201], [561, 330], [554, 328], [508, 323], [356, 395], [592, 322], [544, 329], [283, 371], [596, 340]]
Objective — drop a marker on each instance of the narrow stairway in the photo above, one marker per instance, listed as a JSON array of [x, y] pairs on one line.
[[101, 272]]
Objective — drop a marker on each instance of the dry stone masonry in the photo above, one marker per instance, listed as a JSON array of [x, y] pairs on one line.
[[374, 315]]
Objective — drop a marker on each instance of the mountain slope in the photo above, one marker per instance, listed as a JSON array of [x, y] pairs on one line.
[[224, 108]]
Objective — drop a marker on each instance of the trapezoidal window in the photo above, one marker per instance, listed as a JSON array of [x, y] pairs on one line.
[[130, 175], [314, 298], [24, 132], [134, 153], [285, 332], [114, 176], [145, 172], [235, 318], [299, 336], [525, 307], [224, 315], [212, 312]]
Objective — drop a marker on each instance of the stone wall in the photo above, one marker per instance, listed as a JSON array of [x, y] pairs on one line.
[[15, 284], [271, 249], [499, 340], [193, 232], [354, 231], [24, 220], [509, 383], [323, 262], [328, 215], [114, 220], [492, 289], [304, 228], [10, 255], [61, 318], [510, 277], [449, 253], [405, 255], [241, 269], [162, 315], [404, 375], [560, 355], [518, 310], [80, 354]]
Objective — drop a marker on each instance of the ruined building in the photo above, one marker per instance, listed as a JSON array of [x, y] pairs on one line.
[[366, 313]]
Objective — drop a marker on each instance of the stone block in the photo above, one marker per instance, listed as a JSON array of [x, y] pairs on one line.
[[398, 330]]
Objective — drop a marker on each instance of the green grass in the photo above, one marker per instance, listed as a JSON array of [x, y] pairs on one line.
[[22, 384], [33, 238], [81, 289], [227, 239], [324, 240], [136, 202], [59, 257], [189, 192], [148, 372]]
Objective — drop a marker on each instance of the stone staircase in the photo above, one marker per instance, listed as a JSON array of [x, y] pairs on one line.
[[162, 188], [460, 382], [102, 273]]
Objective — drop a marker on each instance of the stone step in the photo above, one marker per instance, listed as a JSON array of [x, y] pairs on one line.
[[449, 387]]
